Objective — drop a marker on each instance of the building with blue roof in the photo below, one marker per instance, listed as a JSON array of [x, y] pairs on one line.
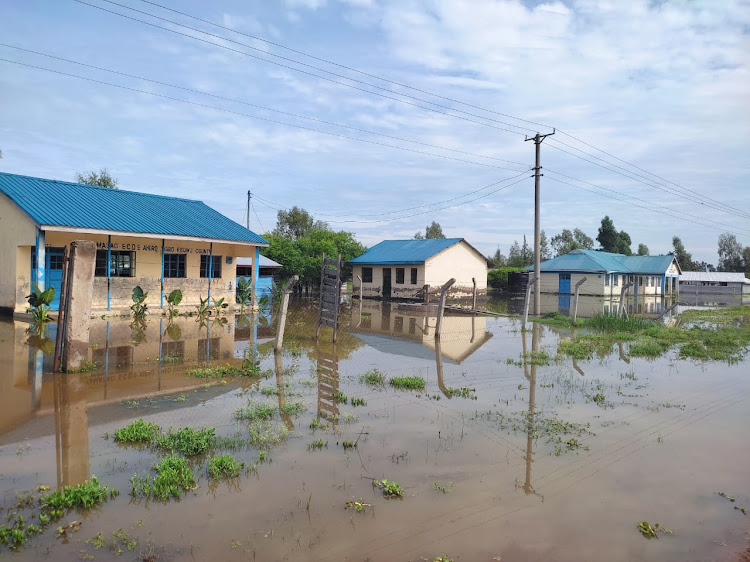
[[402, 268], [160, 243], [607, 273]]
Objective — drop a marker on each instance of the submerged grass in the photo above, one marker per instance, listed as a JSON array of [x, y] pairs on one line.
[[139, 431], [264, 434], [173, 478], [373, 378], [247, 368], [187, 441], [408, 383], [724, 335], [255, 412], [224, 466]]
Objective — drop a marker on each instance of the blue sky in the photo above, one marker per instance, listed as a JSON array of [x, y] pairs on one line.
[[663, 86]]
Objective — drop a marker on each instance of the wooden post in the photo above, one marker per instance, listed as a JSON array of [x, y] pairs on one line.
[[531, 281], [320, 303], [361, 288], [575, 298], [474, 299], [625, 287], [61, 313], [282, 312], [426, 290], [441, 306], [330, 295]]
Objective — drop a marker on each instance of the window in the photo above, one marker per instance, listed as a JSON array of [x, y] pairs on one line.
[[215, 262], [366, 275], [413, 275], [174, 265], [56, 261], [122, 264], [615, 280], [400, 275], [565, 276], [606, 279], [209, 348]]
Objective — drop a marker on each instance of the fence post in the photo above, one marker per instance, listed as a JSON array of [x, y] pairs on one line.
[[575, 298], [622, 295], [474, 299], [426, 290], [441, 306], [282, 313], [61, 309], [529, 284]]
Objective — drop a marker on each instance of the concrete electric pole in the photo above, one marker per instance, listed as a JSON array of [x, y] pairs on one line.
[[537, 228]]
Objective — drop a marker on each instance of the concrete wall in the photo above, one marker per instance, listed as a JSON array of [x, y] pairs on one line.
[[148, 270], [601, 284], [17, 237], [398, 290], [461, 262]]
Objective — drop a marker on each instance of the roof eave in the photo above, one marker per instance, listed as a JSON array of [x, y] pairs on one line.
[[58, 228]]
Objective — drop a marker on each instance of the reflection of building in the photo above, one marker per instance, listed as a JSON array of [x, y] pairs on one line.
[[606, 274], [589, 305], [401, 268], [160, 243], [709, 283], [384, 326]]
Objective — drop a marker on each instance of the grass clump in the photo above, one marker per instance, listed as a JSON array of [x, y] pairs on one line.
[[317, 424], [373, 378], [247, 368], [317, 445], [540, 357], [390, 488], [293, 408], [256, 412], [358, 402], [651, 531], [224, 466], [264, 434], [340, 398], [187, 441], [173, 478], [647, 347], [609, 322], [139, 431], [408, 383], [82, 496], [462, 392]]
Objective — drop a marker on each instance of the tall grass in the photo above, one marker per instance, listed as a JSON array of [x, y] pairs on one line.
[[608, 322]]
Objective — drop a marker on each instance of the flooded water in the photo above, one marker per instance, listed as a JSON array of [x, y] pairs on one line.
[[500, 458]]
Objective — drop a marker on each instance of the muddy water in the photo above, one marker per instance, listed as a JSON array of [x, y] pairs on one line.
[[484, 476]]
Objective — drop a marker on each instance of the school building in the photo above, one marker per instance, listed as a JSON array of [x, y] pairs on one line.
[[160, 243]]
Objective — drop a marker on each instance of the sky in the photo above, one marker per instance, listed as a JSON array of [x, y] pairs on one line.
[[381, 116]]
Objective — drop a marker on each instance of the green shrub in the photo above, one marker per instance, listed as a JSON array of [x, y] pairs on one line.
[[498, 278]]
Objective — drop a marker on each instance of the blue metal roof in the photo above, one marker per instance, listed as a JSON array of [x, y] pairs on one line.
[[591, 260], [407, 252], [75, 205]]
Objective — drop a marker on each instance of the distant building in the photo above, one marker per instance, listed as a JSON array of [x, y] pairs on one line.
[[714, 283], [402, 268], [606, 273], [268, 270], [160, 243]]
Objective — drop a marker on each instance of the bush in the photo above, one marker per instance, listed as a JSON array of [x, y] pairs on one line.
[[498, 278]]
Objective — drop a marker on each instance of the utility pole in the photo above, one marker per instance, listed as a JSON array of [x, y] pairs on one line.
[[538, 139], [249, 197]]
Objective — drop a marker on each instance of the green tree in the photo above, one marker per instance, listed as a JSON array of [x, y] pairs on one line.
[[102, 178], [746, 259], [568, 241], [418, 236], [642, 250], [434, 231], [730, 253], [296, 223], [608, 235], [544, 250], [520, 256], [623, 243], [683, 257], [497, 259]]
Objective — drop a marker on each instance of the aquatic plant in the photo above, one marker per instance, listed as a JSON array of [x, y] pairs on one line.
[[224, 466], [445, 488], [264, 434], [138, 431], [357, 506], [293, 408], [358, 402], [340, 398], [373, 378], [139, 306], [173, 478], [409, 383], [80, 496], [187, 440], [248, 368], [650, 531], [39, 304], [462, 392], [173, 299], [390, 488], [255, 412], [317, 445]]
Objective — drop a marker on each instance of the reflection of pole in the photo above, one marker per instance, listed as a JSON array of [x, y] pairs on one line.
[[360, 292], [61, 312], [532, 280], [72, 430], [575, 298], [625, 287], [527, 487], [441, 306], [439, 365], [282, 313], [280, 391]]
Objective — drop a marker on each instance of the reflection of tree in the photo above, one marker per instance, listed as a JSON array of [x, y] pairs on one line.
[[173, 331], [138, 331], [41, 343]]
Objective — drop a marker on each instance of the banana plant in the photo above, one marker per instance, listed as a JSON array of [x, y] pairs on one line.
[[139, 306], [219, 305], [244, 292], [173, 299]]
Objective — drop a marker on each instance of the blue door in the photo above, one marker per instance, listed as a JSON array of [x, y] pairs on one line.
[[53, 273], [564, 284]]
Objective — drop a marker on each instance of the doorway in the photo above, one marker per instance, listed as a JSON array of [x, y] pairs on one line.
[[386, 282]]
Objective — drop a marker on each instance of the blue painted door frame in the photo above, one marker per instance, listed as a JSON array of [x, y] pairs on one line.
[[51, 273], [564, 284]]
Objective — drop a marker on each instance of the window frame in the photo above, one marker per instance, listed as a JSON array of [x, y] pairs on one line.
[[414, 273], [400, 275], [215, 262], [367, 275], [116, 263], [179, 267]]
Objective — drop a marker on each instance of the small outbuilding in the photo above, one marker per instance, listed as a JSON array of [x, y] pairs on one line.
[[606, 273], [159, 243], [714, 283], [402, 268]]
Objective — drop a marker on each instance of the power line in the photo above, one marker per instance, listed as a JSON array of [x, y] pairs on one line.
[[403, 85], [641, 200], [207, 106], [242, 102], [634, 204], [652, 184], [351, 69], [406, 208], [256, 216], [222, 38]]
